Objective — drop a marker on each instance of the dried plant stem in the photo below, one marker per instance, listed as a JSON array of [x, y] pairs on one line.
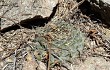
[[12, 51], [14, 68], [49, 39], [73, 8], [49, 52]]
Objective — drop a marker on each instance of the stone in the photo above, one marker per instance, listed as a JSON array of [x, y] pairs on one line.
[[93, 63], [13, 11]]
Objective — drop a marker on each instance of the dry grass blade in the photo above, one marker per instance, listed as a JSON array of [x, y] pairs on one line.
[[12, 51], [49, 38], [73, 8], [77, 5]]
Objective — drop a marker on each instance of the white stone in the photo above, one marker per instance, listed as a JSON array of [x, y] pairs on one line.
[[25, 9]]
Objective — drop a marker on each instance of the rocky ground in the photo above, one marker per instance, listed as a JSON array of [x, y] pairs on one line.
[[68, 39]]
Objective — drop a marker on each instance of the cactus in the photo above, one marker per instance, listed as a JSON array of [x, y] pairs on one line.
[[67, 43]]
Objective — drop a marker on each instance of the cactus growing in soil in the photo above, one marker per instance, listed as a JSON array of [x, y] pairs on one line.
[[67, 41]]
